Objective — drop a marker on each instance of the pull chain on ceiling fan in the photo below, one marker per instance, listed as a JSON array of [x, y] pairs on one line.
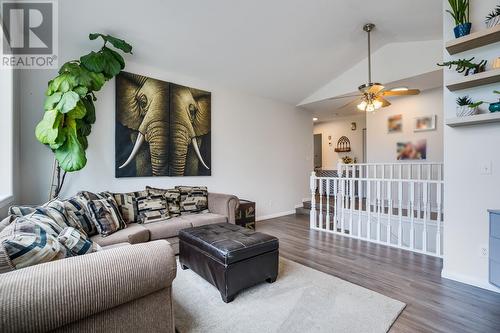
[[372, 94]]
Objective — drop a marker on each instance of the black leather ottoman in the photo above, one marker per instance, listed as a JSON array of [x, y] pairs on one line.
[[229, 256]]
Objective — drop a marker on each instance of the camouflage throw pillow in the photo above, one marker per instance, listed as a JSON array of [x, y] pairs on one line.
[[152, 208], [107, 216], [172, 196], [127, 204], [194, 199]]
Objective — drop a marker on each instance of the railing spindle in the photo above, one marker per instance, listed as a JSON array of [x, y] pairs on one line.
[[312, 185], [321, 203], [327, 204]]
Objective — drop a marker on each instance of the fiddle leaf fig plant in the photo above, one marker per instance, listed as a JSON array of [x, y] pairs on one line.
[[69, 103]]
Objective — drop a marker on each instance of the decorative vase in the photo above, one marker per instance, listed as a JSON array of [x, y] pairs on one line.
[[462, 29], [465, 110], [494, 107]]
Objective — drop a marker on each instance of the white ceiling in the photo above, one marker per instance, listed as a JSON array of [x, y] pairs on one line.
[[281, 49]]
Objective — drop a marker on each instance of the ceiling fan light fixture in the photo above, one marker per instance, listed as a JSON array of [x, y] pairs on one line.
[[377, 104], [370, 107], [362, 106]]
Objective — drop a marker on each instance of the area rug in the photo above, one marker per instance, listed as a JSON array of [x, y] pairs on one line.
[[301, 300]]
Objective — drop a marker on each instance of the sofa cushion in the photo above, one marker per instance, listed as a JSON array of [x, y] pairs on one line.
[[194, 199], [21, 210], [77, 242], [152, 208], [203, 219], [27, 242], [107, 217], [166, 229], [172, 196], [77, 209], [133, 234], [127, 204]]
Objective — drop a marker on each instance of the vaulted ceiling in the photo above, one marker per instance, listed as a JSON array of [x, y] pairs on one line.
[[280, 49]]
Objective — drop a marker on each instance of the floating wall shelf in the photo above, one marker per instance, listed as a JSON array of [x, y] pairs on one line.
[[475, 80], [474, 120], [474, 40]]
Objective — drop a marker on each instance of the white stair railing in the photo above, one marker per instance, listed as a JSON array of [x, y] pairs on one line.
[[372, 202]]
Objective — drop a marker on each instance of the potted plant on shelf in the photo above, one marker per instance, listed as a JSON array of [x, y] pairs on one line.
[[465, 106], [460, 13], [466, 66], [495, 107], [493, 18]]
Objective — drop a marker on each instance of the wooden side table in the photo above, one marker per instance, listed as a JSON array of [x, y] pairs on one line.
[[245, 214]]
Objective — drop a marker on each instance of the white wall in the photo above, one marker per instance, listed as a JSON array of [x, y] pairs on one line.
[[381, 145], [337, 128], [468, 194], [261, 149]]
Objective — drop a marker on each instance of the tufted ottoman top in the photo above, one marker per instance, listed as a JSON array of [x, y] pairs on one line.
[[227, 242]]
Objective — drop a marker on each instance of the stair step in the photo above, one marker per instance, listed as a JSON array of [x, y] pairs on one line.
[[302, 211]]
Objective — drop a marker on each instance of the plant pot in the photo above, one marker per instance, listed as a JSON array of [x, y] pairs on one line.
[[494, 107], [462, 29], [465, 110]]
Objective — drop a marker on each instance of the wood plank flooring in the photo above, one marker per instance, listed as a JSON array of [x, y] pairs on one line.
[[434, 304]]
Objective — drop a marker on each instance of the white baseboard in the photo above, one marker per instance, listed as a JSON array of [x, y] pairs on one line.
[[469, 280], [275, 215]]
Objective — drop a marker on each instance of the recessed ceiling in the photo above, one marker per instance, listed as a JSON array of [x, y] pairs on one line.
[[281, 49]]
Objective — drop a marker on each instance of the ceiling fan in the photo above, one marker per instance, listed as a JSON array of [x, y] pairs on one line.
[[372, 94]]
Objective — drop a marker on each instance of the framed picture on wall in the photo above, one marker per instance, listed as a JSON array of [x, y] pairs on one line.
[[395, 123], [424, 123]]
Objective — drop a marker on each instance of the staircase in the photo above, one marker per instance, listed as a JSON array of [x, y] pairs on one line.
[[306, 207]]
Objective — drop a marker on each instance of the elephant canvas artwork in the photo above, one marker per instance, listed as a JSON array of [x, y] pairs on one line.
[[162, 128]]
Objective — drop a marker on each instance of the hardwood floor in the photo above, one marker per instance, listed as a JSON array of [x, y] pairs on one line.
[[433, 304]]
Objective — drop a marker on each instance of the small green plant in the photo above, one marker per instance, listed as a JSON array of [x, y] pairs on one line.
[[491, 18], [466, 65], [459, 11], [466, 101], [69, 103]]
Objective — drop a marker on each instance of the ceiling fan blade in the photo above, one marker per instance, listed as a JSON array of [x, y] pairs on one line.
[[385, 102], [376, 88], [401, 92], [346, 96]]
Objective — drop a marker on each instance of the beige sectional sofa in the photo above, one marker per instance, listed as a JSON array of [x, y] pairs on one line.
[[221, 209], [127, 287]]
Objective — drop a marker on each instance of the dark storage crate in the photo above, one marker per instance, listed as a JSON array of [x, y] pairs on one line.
[[245, 214]]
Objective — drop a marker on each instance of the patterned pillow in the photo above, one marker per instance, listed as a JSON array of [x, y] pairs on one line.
[[152, 208], [107, 216], [127, 204], [76, 242], [78, 210], [27, 242], [194, 199], [173, 197], [21, 210]]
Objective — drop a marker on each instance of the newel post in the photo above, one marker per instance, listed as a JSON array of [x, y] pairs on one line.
[[312, 185]]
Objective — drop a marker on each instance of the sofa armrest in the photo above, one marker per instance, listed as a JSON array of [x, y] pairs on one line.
[[223, 204], [48, 296]]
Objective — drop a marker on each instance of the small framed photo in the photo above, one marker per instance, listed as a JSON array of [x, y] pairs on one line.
[[425, 123], [395, 123]]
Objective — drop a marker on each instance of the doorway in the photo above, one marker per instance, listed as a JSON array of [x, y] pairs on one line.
[[318, 152]]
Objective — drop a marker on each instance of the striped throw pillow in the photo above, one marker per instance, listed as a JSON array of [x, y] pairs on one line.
[[152, 208], [107, 217], [194, 199], [172, 196], [127, 204], [27, 242], [77, 242]]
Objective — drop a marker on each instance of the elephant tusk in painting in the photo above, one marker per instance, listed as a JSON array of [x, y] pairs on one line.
[[198, 154], [138, 143]]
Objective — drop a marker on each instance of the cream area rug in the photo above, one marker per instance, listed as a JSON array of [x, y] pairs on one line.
[[301, 300]]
